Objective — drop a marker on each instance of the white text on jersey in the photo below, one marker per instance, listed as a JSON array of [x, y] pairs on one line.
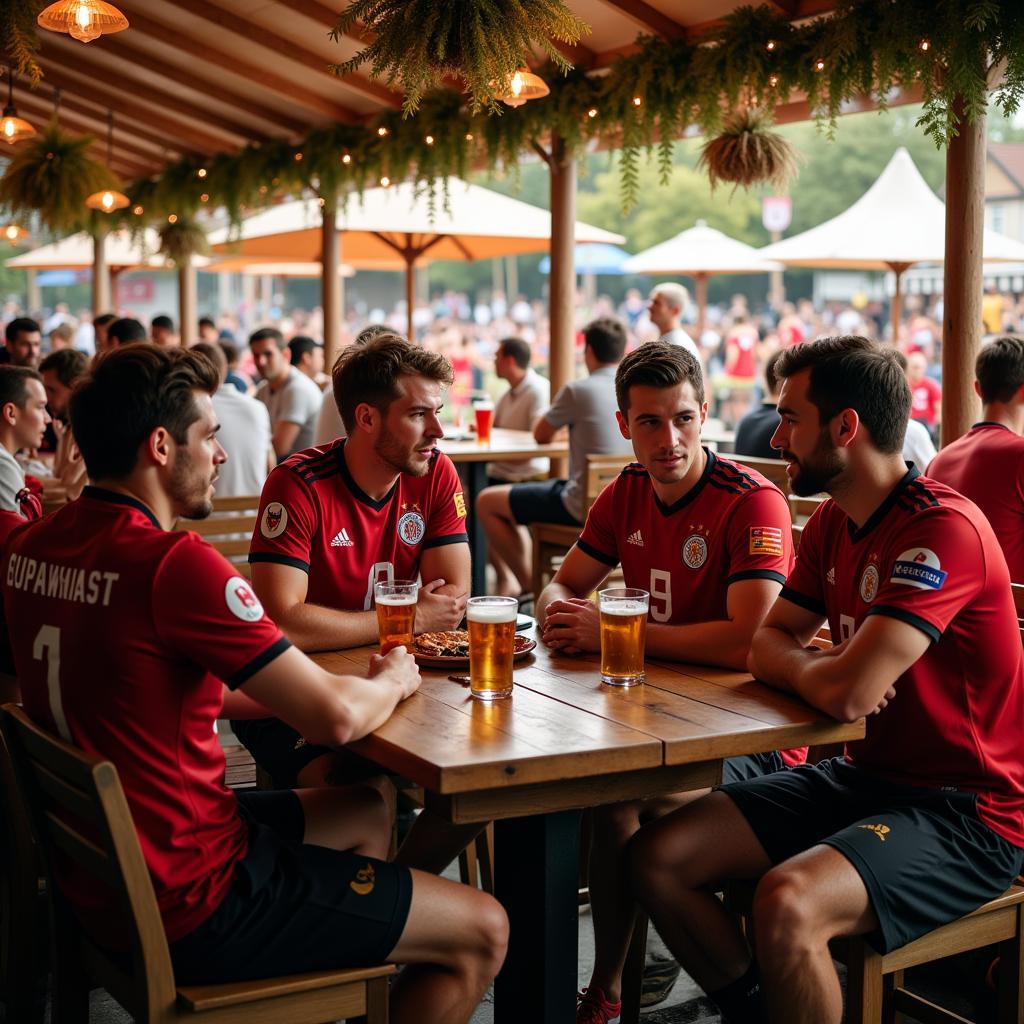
[[61, 581]]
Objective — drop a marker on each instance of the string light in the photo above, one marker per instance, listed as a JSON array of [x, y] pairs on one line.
[[429, 140], [263, 190], [382, 131], [298, 157], [469, 136], [773, 80], [14, 232], [172, 219], [205, 197], [138, 211], [637, 101], [201, 173], [770, 45], [592, 112], [819, 65], [385, 181], [925, 45], [346, 158]]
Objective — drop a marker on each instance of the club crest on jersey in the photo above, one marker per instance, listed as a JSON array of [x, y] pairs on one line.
[[460, 505], [274, 521], [869, 580], [695, 551], [241, 601], [918, 567], [411, 525]]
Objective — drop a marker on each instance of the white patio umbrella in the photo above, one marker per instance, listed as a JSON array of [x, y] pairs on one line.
[[700, 252], [124, 251], [395, 222], [898, 222]]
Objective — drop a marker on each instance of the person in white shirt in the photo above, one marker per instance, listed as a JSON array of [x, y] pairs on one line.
[[244, 433], [666, 306], [291, 398], [23, 420]]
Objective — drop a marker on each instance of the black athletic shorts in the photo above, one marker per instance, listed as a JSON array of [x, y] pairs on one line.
[[294, 908], [751, 766], [923, 854], [277, 748], [540, 502]]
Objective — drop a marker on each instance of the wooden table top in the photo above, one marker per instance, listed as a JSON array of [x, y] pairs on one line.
[[563, 724], [504, 444]]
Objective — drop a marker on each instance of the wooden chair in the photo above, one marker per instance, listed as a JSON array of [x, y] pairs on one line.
[[229, 528], [772, 469], [801, 509], [1018, 598], [77, 807], [553, 540]]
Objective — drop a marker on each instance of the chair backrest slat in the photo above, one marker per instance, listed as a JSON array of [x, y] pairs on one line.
[[1017, 589], [241, 503], [64, 794], [81, 850], [773, 469], [601, 471], [220, 525]]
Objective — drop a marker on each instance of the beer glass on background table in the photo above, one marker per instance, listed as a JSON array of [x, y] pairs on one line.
[[492, 635], [483, 410], [396, 612], [623, 634]]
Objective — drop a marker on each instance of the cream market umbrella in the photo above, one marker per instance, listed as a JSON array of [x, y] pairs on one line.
[[124, 251], [898, 222], [700, 252], [389, 223]]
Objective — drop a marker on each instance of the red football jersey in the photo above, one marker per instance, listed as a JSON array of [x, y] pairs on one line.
[[733, 525], [925, 399], [315, 517], [987, 466], [929, 558], [122, 633]]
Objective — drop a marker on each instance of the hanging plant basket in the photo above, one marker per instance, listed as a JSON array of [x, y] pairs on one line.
[[746, 152], [51, 176], [419, 42], [182, 240]]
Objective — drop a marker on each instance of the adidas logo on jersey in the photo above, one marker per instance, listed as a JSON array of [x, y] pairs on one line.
[[830, 576], [342, 540], [635, 538]]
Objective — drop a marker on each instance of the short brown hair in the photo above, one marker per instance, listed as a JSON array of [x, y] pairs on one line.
[[657, 364], [69, 364], [370, 372], [1000, 369]]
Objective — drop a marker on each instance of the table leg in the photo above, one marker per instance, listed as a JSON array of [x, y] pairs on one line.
[[536, 873], [474, 480]]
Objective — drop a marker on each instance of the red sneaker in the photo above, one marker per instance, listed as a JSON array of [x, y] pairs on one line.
[[594, 1008]]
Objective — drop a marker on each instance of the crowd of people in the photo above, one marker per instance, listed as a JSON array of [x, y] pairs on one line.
[[909, 565]]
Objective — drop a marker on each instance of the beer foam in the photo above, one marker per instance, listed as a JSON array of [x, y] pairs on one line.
[[624, 607], [396, 600], [493, 613]]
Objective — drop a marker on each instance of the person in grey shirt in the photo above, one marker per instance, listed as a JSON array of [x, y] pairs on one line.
[[291, 398], [667, 304], [587, 407], [23, 420]]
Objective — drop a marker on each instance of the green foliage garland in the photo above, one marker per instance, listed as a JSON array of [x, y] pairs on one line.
[[945, 48], [18, 31], [418, 42], [182, 240]]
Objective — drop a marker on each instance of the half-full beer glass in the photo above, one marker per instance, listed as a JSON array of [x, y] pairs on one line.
[[492, 633], [396, 612], [483, 410], [623, 634]]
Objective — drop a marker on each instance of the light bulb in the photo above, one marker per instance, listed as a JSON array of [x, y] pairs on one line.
[[108, 200], [429, 140], [9, 127], [11, 232], [592, 112], [346, 158], [637, 101], [138, 211], [385, 181], [382, 131], [516, 85], [201, 172], [172, 219], [84, 27]]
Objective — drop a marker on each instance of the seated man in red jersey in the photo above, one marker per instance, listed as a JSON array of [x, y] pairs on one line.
[[987, 463], [108, 608], [711, 541], [378, 505], [923, 820]]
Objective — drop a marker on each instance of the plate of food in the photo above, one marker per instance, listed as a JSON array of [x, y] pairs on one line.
[[449, 648]]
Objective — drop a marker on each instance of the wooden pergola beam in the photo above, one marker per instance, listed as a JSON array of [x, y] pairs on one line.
[[188, 77], [216, 58], [197, 139], [283, 47], [95, 66], [647, 17]]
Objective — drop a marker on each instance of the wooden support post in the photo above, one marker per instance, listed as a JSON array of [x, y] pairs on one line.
[[330, 282], [188, 321], [33, 296], [100, 273], [701, 283], [961, 315], [896, 310]]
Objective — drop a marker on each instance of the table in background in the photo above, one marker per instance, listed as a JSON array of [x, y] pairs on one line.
[[564, 742], [471, 458]]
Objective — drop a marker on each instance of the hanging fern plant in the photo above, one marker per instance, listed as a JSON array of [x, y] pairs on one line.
[[18, 31], [746, 152], [182, 240], [419, 42], [51, 176]]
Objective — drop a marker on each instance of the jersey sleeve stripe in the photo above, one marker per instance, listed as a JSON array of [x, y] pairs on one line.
[[810, 603], [595, 553], [733, 473], [236, 679], [757, 574], [908, 617], [269, 556], [451, 538]]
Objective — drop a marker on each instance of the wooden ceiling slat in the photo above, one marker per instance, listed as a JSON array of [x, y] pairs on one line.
[[648, 17], [247, 29], [195, 138], [291, 92], [189, 77], [98, 67]]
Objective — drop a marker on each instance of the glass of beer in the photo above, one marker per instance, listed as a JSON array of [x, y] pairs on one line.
[[492, 633], [483, 409], [623, 634], [396, 612]]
